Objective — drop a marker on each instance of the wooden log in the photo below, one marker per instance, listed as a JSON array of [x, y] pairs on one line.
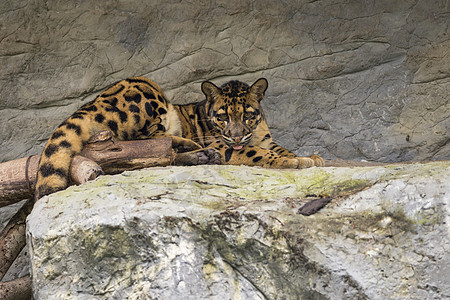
[[13, 179], [12, 238], [102, 152], [115, 157], [17, 289]]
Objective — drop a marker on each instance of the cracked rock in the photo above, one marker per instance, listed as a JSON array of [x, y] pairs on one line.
[[227, 232]]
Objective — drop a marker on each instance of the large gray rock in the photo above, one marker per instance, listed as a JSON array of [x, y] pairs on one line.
[[354, 80], [226, 232]]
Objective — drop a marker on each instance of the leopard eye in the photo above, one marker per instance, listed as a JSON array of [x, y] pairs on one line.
[[222, 117], [249, 115]]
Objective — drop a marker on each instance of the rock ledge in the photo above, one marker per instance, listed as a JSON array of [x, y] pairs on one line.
[[227, 232]]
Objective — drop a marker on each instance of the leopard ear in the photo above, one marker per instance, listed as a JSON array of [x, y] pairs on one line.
[[259, 88], [210, 90]]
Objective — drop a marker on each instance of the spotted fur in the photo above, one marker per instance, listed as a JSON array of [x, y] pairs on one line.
[[230, 120]]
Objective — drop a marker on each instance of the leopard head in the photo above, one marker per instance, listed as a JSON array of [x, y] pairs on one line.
[[234, 109]]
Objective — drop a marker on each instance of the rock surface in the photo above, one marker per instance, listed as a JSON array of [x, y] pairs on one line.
[[226, 232], [354, 80]]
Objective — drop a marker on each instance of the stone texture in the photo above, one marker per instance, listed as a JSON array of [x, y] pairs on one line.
[[348, 79], [226, 232]]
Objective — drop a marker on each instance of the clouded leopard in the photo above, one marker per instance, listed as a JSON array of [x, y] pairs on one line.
[[230, 121]]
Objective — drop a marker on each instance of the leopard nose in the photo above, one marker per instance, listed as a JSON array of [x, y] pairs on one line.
[[237, 139]]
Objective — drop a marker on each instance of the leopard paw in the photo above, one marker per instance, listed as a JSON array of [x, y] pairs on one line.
[[289, 163], [312, 161], [318, 161], [304, 162], [198, 157], [209, 157]]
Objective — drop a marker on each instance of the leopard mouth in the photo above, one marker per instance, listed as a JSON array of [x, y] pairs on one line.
[[237, 145]]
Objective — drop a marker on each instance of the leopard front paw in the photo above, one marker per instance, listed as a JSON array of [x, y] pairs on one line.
[[312, 161], [288, 163], [209, 157], [304, 162], [318, 161], [198, 157]]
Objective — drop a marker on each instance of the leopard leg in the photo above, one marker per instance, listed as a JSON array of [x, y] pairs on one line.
[[257, 156], [183, 145], [304, 162], [279, 150], [157, 130], [188, 152]]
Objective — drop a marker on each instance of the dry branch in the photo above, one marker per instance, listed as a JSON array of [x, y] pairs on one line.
[[115, 157], [13, 182], [102, 154], [18, 289], [12, 238]]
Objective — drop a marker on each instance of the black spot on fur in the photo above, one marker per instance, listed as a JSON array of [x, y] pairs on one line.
[[154, 104], [251, 153], [112, 109], [134, 108], [99, 118], [163, 100], [144, 129], [123, 116], [266, 137], [65, 144], [125, 136], [57, 134], [113, 126], [148, 109], [112, 101], [44, 190], [135, 80], [160, 127], [78, 115], [279, 150], [89, 108], [74, 127], [228, 154], [112, 93], [137, 118], [50, 150], [147, 94], [47, 170], [133, 97], [162, 111], [256, 159]]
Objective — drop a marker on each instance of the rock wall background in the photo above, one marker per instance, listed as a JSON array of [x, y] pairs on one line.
[[348, 79]]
